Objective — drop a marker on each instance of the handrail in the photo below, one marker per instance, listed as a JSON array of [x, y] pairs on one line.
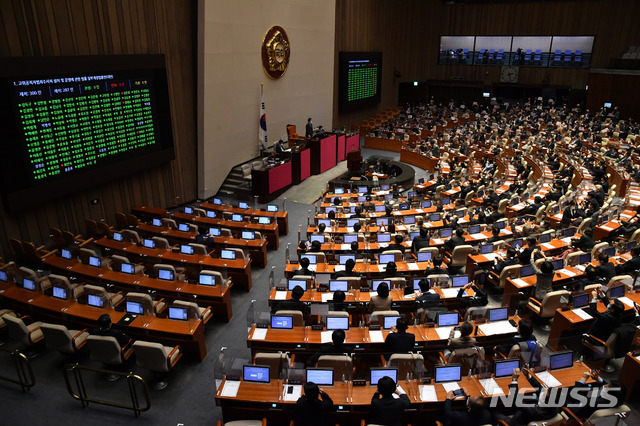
[[76, 369], [24, 372]]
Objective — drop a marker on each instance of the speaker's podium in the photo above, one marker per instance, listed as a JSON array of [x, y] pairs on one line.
[[354, 160]]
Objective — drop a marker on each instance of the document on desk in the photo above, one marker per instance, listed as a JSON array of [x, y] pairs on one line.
[[312, 268], [567, 272], [428, 393], [230, 388], [498, 327], [491, 387], [606, 228], [325, 336], [478, 236], [582, 314], [626, 301], [437, 241], [580, 268], [548, 379], [260, 333], [327, 296], [281, 295], [519, 282], [548, 246], [375, 336], [490, 256], [345, 246], [450, 386], [413, 266], [450, 292], [340, 268], [291, 392], [443, 332]]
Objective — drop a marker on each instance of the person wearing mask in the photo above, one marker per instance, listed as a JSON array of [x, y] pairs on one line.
[[313, 407], [385, 409]]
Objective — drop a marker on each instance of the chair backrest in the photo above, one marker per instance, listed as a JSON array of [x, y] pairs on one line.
[[62, 281], [216, 274], [193, 307], [146, 300], [377, 317], [396, 253], [105, 349], [354, 282], [246, 171], [622, 411], [406, 363], [528, 354], [239, 253], [131, 236], [438, 279], [551, 302], [226, 232], [97, 290], [17, 329], [502, 206], [598, 247], [199, 249], [459, 255], [469, 358], [621, 279], [197, 212], [159, 266], [121, 220], [57, 337], [161, 243], [277, 362], [342, 365], [511, 271], [169, 223], [475, 312], [320, 257], [572, 259], [151, 355], [298, 317], [397, 282]]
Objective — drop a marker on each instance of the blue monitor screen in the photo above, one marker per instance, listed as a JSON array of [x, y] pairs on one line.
[[404, 206], [386, 258], [434, 217], [248, 235], [317, 237], [505, 367], [211, 213], [282, 322], [424, 256], [610, 251], [293, 283], [474, 229], [426, 204], [165, 274], [272, 208], [585, 258], [448, 373], [412, 194], [186, 249], [409, 220], [243, 205], [350, 238], [337, 323], [28, 284], [214, 232], [414, 234], [255, 373], [379, 373], [384, 238], [227, 254], [388, 196], [157, 222], [501, 225], [60, 293], [486, 248], [526, 271], [390, 321], [445, 201], [117, 236], [446, 232], [561, 360], [95, 301], [312, 258], [66, 254], [382, 220], [183, 227], [385, 187], [330, 209], [362, 190], [320, 376], [127, 268], [498, 314], [580, 300], [616, 291], [188, 210], [445, 319], [204, 279], [134, 308], [217, 201], [516, 243], [544, 238], [376, 283], [149, 243], [379, 208], [557, 264], [459, 280], [326, 222], [338, 191], [351, 222], [236, 217], [94, 261], [344, 257], [362, 199], [178, 313], [335, 285]]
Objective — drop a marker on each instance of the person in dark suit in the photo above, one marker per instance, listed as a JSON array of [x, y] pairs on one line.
[[495, 235], [501, 263], [615, 389], [605, 269], [585, 242], [348, 270], [294, 304], [399, 341], [385, 409], [525, 255], [479, 297], [475, 415], [311, 411], [437, 267], [104, 329], [308, 129], [304, 267], [204, 238], [455, 241], [428, 298], [397, 244], [336, 348], [630, 265], [525, 415], [532, 209], [571, 214], [605, 322]]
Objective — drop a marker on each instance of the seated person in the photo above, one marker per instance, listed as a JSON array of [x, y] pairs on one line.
[[604, 271], [358, 213], [437, 267], [544, 276], [398, 341], [525, 415], [304, 267], [585, 242], [525, 334], [428, 298], [495, 235], [385, 409], [311, 411], [630, 265], [382, 301], [500, 263], [336, 348], [456, 240], [533, 208], [294, 304], [475, 414], [525, 255], [321, 228], [421, 241], [337, 303], [348, 270], [104, 329], [479, 297], [397, 245], [605, 322], [615, 389], [464, 341], [391, 269]]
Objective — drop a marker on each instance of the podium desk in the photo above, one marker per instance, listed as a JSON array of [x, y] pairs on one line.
[[271, 182]]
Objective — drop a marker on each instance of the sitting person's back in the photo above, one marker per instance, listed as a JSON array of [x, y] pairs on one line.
[[311, 411], [464, 341], [104, 329], [385, 409], [382, 301]]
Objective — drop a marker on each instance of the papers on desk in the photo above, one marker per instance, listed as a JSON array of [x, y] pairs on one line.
[[498, 327], [606, 228], [519, 282], [450, 386], [312, 268], [582, 314], [383, 245], [259, 334], [372, 293], [491, 387], [325, 336], [490, 256], [548, 246], [345, 246], [580, 268], [327, 296], [339, 268], [296, 392], [428, 393], [443, 332], [375, 336], [230, 388], [413, 266], [281, 295], [567, 272], [478, 236], [548, 379], [566, 240], [419, 211], [626, 301], [504, 231], [437, 241], [450, 292]]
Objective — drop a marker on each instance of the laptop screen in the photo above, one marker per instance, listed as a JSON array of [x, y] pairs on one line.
[[236, 217], [486, 248], [320, 376], [28, 284], [544, 238], [616, 291], [205, 279], [561, 360], [382, 220], [214, 231], [501, 225], [243, 205], [557, 264], [117, 236], [344, 257], [412, 194], [211, 214], [610, 251], [498, 314], [149, 243], [183, 227], [504, 368], [379, 373], [362, 199], [134, 307], [526, 271], [338, 191], [409, 220], [376, 283], [379, 208], [227, 254], [293, 283], [390, 321], [569, 232], [445, 319], [128, 268], [65, 254], [165, 274], [426, 204], [272, 208], [580, 300], [448, 373], [335, 285], [445, 201], [178, 313], [384, 187], [217, 201], [516, 243], [459, 280], [282, 322], [434, 217], [186, 249], [157, 222], [446, 232], [95, 301], [585, 258], [414, 234], [337, 323], [474, 229], [60, 293], [248, 235], [384, 238], [312, 258], [350, 238], [386, 258], [255, 373], [424, 256]]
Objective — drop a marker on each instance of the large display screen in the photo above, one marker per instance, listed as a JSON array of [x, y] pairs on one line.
[[70, 123], [360, 79]]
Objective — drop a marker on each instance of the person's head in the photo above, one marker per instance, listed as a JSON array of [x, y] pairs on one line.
[[391, 268], [538, 200], [316, 246], [349, 265], [466, 329], [354, 246], [104, 321], [386, 386], [402, 324], [311, 391], [309, 120], [321, 227], [339, 296], [603, 258], [337, 337], [304, 263], [331, 215], [525, 329], [388, 209], [358, 209], [546, 267], [495, 231], [635, 251], [297, 293], [531, 241], [511, 252], [383, 290], [202, 230], [616, 308], [475, 403], [357, 227], [398, 238], [337, 201], [437, 261], [459, 232]]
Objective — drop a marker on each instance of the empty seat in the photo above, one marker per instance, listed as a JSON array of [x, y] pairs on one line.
[[204, 314], [27, 335], [161, 243], [111, 299], [63, 340], [150, 306], [157, 358], [107, 350]]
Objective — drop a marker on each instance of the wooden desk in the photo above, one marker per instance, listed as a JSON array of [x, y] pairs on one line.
[[282, 218], [419, 160], [365, 269], [257, 248], [630, 374], [270, 232], [188, 334], [560, 278], [218, 297], [146, 213], [273, 181], [384, 144]]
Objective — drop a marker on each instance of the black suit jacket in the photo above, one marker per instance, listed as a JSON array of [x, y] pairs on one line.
[[308, 130], [419, 242], [429, 299], [400, 343], [454, 242], [498, 267], [313, 413], [605, 322], [464, 417], [388, 411], [629, 266]]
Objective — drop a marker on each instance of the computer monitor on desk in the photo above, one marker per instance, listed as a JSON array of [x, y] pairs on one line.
[[312, 258], [28, 284], [386, 258], [447, 319], [378, 373], [166, 275], [215, 232], [424, 256], [350, 238], [178, 313], [338, 285], [150, 244], [272, 208], [505, 367], [320, 376], [156, 222], [128, 268], [205, 279], [133, 307], [560, 360], [390, 321], [459, 280], [248, 235], [95, 300], [384, 238], [448, 373], [117, 236], [94, 261], [183, 227], [293, 283], [344, 257], [186, 249], [60, 293], [255, 373], [580, 300], [282, 322], [337, 323], [376, 283], [498, 314]]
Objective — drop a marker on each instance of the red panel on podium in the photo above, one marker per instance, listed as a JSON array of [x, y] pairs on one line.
[[327, 153], [353, 143], [305, 164], [279, 177], [341, 147]]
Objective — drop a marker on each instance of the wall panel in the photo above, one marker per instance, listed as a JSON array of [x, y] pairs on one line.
[[109, 27]]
